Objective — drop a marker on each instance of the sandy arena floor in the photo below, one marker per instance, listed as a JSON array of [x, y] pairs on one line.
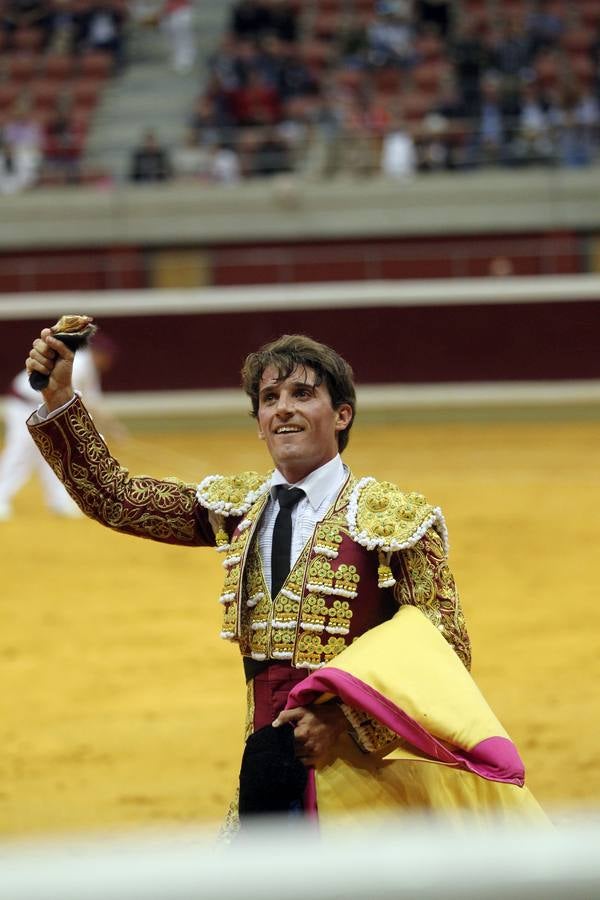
[[121, 706]]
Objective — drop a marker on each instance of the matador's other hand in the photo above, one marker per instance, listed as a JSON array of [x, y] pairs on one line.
[[316, 730]]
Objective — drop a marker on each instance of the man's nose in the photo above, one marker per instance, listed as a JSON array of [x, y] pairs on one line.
[[284, 404]]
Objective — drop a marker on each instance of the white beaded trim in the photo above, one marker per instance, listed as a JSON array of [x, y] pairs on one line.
[[330, 591], [290, 595], [223, 548], [259, 626], [336, 629], [225, 507], [436, 518], [307, 665], [253, 600], [227, 635], [327, 551], [244, 524], [389, 582], [311, 626], [258, 656], [227, 598], [282, 654], [231, 561], [278, 623]]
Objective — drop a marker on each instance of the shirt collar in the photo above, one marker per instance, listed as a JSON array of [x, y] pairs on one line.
[[318, 484]]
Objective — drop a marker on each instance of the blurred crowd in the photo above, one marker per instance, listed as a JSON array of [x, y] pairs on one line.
[[325, 87], [395, 87], [55, 56]]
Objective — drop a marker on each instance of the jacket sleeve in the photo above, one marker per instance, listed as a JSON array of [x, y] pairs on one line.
[[164, 510], [424, 580]]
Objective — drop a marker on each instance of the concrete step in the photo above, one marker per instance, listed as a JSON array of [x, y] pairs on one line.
[[149, 94]]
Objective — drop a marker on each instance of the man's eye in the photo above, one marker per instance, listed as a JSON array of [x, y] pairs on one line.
[[303, 392]]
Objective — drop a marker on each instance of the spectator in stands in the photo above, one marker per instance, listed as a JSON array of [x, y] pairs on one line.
[[257, 102], [206, 122], [489, 141], [101, 27], [191, 160], [282, 20], [545, 25], [224, 167], [150, 162], [38, 14], [271, 156], [23, 136], [62, 148], [357, 149], [533, 142], [436, 13], [178, 24], [249, 19], [351, 40], [398, 156], [14, 177], [391, 34], [471, 60], [324, 136], [576, 119], [284, 69]]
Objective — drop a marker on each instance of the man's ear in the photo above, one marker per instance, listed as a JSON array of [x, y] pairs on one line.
[[343, 416], [261, 434]]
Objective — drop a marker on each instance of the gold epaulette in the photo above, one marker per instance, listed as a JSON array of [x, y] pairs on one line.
[[382, 517], [232, 495]]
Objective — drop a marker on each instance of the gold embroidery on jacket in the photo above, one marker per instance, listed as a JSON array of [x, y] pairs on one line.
[[161, 509], [429, 585]]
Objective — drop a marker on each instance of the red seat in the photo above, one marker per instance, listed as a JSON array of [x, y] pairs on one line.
[[388, 80], [28, 40], [316, 54], [583, 69], [22, 67], [58, 66], [96, 65], [427, 77], [326, 26], [589, 13], [329, 6], [45, 94], [429, 47], [415, 107], [547, 70], [9, 91], [85, 93], [578, 40]]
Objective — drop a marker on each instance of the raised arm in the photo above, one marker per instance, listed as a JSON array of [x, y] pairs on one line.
[[164, 510]]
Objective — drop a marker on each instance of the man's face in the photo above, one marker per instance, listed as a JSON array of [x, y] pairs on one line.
[[298, 422]]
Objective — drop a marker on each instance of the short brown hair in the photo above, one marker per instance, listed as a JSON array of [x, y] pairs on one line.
[[297, 350]]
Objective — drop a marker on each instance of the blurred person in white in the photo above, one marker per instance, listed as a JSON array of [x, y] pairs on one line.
[[23, 135], [14, 176], [177, 22], [398, 156], [20, 459], [190, 159]]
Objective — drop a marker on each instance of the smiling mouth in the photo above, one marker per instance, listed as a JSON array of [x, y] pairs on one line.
[[288, 429]]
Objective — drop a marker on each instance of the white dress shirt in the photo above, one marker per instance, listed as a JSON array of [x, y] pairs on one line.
[[321, 488]]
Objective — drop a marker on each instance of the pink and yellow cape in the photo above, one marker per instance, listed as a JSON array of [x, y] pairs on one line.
[[448, 753]]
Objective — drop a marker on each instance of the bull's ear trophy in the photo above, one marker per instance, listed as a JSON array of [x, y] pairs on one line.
[[74, 332]]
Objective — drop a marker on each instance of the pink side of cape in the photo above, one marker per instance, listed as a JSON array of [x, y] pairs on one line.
[[495, 758]]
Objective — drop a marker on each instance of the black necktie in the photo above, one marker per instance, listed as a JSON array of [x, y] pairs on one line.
[[282, 536]]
